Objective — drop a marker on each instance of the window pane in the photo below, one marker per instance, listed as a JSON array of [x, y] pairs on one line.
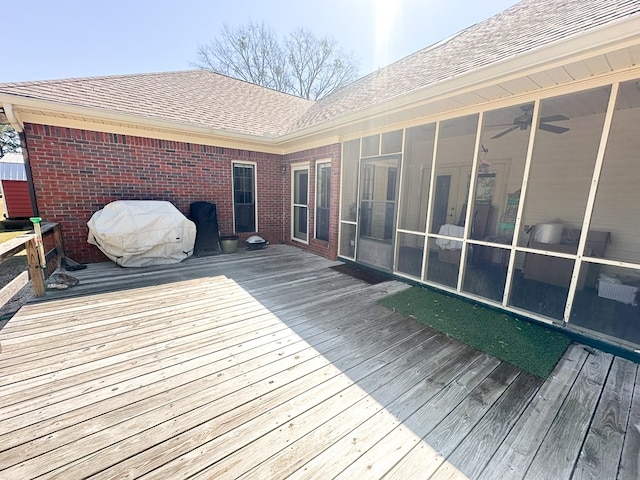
[[391, 142], [300, 223], [486, 271], [416, 175], [392, 183], [608, 303], [244, 198], [301, 187], [371, 146], [300, 199], [350, 159], [323, 192], [410, 249], [564, 154], [501, 162], [443, 263], [245, 219], [456, 142], [348, 240], [323, 195], [616, 208], [541, 284], [377, 208]]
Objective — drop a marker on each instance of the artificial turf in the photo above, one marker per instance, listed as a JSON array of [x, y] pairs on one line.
[[533, 348]]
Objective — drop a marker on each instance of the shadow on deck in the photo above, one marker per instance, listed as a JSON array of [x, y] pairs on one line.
[[268, 364]]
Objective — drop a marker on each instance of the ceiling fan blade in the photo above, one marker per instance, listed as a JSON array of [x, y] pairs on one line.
[[553, 128], [554, 118], [505, 132]]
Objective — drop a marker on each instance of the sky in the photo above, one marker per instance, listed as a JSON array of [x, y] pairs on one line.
[[54, 39]]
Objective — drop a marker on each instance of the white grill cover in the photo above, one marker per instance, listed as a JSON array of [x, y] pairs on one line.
[[139, 233]]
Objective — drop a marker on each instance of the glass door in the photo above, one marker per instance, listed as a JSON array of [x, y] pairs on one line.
[[300, 214], [378, 198]]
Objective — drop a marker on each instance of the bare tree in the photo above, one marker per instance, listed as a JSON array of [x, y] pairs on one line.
[[9, 140], [302, 64], [250, 52], [317, 66]]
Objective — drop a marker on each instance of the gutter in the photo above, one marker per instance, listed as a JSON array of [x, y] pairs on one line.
[[18, 126]]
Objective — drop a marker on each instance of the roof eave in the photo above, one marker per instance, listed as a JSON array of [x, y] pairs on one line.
[[616, 35], [612, 36], [49, 110]]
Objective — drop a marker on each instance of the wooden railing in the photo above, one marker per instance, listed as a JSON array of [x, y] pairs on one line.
[[38, 272]]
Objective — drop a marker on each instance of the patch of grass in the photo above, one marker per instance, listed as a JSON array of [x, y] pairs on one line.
[[533, 348]]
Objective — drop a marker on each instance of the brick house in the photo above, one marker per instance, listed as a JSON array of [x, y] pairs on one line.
[[382, 171]]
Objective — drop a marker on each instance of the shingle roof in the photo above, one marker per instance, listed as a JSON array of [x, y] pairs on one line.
[[206, 99], [196, 97], [521, 28]]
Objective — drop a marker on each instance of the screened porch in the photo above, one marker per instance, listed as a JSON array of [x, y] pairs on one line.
[[554, 228]]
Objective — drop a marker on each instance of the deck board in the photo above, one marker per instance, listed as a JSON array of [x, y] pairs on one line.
[[630, 458], [606, 434], [562, 445], [472, 453], [269, 364]]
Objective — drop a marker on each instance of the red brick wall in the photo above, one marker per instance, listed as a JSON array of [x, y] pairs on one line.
[[332, 152], [77, 172]]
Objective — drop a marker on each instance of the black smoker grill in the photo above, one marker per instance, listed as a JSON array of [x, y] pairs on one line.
[[204, 215]]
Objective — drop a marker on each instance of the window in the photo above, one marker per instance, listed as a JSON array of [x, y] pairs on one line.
[[244, 197], [323, 196], [300, 203]]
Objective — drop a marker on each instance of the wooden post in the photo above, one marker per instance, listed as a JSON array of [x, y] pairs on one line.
[[35, 271], [39, 259], [39, 246], [57, 236]]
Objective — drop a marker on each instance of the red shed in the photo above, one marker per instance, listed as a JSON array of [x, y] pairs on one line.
[[15, 190]]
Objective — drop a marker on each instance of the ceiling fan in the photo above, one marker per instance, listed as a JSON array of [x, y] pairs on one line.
[[523, 121]]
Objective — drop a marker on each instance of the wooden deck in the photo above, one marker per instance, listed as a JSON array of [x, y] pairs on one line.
[[268, 364]]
